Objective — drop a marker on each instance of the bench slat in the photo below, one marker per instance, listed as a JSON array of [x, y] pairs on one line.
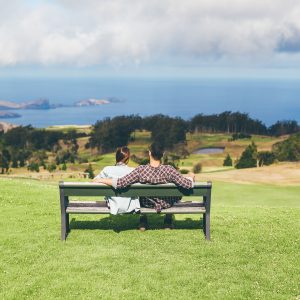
[[99, 207], [105, 210], [135, 190]]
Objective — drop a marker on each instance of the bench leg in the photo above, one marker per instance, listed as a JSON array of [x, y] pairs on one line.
[[68, 223], [64, 225], [64, 200], [206, 225]]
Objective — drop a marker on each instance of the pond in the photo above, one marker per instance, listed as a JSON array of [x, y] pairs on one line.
[[209, 150]]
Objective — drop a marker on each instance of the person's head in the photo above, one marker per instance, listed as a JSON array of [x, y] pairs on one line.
[[156, 151], [122, 155]]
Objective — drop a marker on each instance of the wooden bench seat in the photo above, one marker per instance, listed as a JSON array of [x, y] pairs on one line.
[[69, 190], [99, 207]]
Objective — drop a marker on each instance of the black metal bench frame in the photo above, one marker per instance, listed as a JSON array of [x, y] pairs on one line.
[[87, 189]]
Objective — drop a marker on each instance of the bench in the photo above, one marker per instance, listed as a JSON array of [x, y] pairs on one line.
[[69, 190]]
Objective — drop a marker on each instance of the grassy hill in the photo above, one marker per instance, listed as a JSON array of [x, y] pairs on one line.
[[254, 252]]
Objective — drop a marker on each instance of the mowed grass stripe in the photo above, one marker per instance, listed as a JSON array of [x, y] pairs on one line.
[[254, 251]]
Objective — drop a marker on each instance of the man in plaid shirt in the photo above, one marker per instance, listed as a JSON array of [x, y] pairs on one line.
[[153, 173]]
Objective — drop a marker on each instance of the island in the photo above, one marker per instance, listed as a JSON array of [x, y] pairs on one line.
[[8, 115], [92, 102], [34, 104], [44, 104]]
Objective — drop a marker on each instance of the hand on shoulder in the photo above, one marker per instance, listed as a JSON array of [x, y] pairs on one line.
[[191, 175]]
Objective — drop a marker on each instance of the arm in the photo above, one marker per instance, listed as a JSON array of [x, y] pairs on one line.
[[108, 181], [102, 174], [179, 180], [126, 180]]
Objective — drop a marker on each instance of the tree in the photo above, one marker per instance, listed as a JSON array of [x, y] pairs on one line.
[[90, 171], [5, 158], [14, 159], [165, 130], [111, 133], [23, 156], [248, 158], [227, 161], [230, 122], [14, 162], [17, 137]]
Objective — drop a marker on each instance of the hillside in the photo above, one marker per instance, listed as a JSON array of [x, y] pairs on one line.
[[280, 173]]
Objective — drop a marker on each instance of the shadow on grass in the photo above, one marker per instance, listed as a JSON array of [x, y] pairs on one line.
[[131, 222]]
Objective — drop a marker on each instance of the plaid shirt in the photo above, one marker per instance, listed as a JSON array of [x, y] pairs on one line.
[[153, 175]]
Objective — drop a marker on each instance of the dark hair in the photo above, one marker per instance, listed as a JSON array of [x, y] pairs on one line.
[[157, 151], [122, 154]]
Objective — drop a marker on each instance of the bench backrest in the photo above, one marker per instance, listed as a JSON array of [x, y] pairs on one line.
[[135, 190]]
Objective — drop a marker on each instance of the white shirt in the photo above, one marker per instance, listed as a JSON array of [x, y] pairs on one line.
[[119, 205]]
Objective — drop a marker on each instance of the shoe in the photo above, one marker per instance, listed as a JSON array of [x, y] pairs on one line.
[[143, 226], [168, 222]]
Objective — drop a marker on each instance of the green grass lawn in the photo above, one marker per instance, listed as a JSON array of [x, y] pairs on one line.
[[254, 252]]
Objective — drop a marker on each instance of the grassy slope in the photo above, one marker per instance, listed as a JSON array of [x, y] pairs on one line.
[[254, 253]]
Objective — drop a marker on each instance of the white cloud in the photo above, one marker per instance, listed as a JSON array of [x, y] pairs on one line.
[[120, 32]]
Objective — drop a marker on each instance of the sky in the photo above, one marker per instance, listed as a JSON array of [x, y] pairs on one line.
[[150, 37]]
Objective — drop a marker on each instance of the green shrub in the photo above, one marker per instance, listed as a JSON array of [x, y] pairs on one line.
[[227, 161], [239, 136], [51, 167], [184, 171], [33, 166], [144, 161], [197, 168], [265, 158], [83, 160]]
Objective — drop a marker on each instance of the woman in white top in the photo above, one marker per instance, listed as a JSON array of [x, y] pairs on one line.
[[119, 205]]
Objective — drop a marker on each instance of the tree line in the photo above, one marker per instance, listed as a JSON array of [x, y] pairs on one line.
[[27, 146], [169, 131]]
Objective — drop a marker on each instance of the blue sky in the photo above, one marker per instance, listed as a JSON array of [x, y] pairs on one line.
[[204, 38]]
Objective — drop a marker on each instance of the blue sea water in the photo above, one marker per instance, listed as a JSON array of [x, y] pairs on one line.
[[268, 100]]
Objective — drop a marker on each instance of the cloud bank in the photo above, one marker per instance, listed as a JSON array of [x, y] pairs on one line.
[[120, 32]]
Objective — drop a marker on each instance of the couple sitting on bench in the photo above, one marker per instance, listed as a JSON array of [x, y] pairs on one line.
[[121, 176]]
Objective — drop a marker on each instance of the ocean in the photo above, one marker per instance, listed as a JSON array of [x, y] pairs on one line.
[[268, 100]]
